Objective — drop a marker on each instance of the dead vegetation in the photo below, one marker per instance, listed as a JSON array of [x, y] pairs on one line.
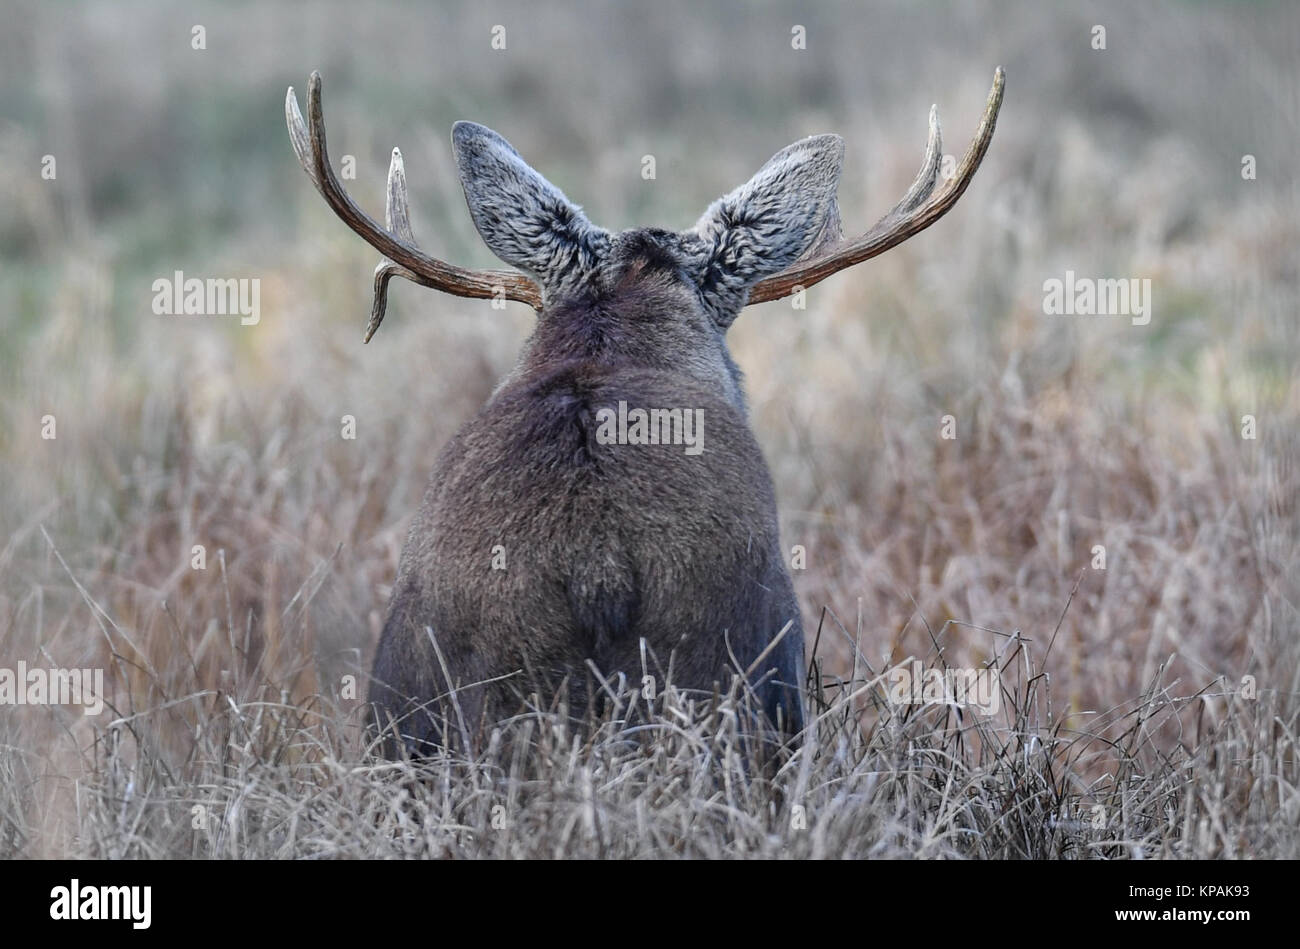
[[1157, 716]]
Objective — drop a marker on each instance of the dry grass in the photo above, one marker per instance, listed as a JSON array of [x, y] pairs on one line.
[[250, 772], [1128, 724]]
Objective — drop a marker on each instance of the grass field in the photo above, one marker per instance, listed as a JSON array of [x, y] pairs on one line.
[[1150, 705]]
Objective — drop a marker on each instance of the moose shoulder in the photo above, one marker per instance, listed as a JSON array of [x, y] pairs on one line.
[[608, 511]]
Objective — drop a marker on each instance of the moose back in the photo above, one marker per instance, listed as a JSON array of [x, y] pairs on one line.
[[608, 512]]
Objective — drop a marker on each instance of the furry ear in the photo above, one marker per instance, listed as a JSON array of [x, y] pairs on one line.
[[785, 211], [523, 218]]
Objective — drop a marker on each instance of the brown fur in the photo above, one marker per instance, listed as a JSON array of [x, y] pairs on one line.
[[605, 544]]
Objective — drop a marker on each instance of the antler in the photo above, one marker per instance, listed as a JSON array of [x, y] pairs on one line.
[[402, 258], [920, 208]]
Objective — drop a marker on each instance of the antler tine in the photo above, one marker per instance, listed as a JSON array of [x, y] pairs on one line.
[[395, 242], [299, 137], [397, 218], [928, 176], [397, 213], [919, 208]]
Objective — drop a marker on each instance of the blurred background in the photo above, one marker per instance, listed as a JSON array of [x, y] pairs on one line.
[[1128, 161]]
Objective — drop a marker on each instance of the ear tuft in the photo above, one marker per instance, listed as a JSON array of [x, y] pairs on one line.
[[786, 211], [523, 218]]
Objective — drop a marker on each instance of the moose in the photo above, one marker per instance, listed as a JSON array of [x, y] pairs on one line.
[[547, 550]]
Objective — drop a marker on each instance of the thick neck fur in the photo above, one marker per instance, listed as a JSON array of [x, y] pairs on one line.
[[640, 314]]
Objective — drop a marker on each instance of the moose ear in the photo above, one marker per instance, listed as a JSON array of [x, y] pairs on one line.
[[785, 211], [523, 218]]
